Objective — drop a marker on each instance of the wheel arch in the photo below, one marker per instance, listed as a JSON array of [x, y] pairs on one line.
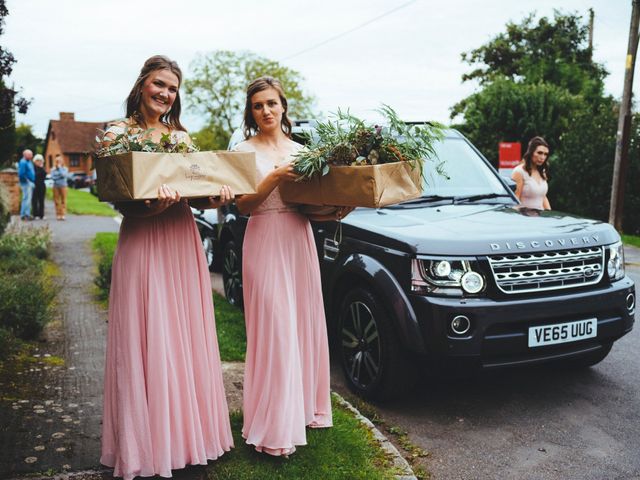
[[358, 269]]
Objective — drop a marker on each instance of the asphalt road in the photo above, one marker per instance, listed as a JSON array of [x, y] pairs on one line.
[[543, 423]]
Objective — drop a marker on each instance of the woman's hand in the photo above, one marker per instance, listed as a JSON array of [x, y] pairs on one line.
[[226, 196], [342, 212], [166, 198], [285, 173]]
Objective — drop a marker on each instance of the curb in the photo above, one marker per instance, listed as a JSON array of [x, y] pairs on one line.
[[399, 462]]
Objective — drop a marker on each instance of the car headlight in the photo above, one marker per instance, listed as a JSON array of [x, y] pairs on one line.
[[446, 276], [615, 265]]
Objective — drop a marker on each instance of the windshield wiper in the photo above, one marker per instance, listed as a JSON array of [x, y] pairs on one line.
[[427, 199], [483, 196]]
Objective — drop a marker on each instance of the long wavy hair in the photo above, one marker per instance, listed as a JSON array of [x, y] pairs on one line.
[[171, 117], [258, 85], [543, 169]]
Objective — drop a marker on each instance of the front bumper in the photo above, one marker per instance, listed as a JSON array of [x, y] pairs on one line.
[[499, 332]]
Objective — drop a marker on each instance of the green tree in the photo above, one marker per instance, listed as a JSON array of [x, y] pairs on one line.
[[508, 111], [538, 78], [553, 51], [9, 99], [211, 137], [25, 138], [218, 85]]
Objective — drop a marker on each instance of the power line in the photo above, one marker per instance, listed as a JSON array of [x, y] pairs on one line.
[[340, 35]]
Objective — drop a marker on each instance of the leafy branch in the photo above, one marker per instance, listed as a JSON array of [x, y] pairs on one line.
[[347, 140]]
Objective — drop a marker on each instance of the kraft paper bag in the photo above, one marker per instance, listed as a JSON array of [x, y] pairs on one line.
[[372, 186], [137, 175]]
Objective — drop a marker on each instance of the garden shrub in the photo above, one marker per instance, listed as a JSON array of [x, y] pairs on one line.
[[27, 290]]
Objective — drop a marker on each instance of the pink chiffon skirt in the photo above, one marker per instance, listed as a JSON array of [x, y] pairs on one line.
[[286, 383], [164, 399]]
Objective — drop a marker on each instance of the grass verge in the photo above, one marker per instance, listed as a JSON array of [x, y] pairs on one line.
[[631, 240], [83, 203], [348, 450]]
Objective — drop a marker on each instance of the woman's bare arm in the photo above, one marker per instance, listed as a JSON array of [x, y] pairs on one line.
[[247, 203]]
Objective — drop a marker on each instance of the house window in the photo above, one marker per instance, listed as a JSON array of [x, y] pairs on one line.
[[74, 160]]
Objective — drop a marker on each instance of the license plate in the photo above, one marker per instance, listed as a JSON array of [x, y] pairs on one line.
[[563, 332]]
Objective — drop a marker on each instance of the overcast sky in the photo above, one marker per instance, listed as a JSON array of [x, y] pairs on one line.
[[83, 56]]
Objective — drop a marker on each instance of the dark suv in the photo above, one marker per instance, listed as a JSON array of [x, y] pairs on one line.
[[462, 276]]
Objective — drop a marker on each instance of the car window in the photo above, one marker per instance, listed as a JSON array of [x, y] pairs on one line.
[[467, 173]]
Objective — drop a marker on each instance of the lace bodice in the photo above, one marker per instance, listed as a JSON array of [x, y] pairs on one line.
[[177, 136], [264, 165]]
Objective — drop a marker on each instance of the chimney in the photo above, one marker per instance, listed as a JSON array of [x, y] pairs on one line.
[[67, 116]]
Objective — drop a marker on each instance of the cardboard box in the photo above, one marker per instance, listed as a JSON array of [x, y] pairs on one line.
[[137, 175], [371, 186]]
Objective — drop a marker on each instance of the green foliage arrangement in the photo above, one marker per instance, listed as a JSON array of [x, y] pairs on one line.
[[135, 139], [27, 290], [345, 140]]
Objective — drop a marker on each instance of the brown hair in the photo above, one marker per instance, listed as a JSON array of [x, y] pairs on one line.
[[258, 85], [152, 64], [534, 143]]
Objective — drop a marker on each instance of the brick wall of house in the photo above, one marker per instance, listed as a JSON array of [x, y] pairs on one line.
[[53, 149]]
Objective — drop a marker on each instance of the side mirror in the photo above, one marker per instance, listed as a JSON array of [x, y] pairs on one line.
[[510, 183]]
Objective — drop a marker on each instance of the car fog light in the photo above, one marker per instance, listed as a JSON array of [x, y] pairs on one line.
[[472, 282], [631, 302], [442, 269], [460, 325]]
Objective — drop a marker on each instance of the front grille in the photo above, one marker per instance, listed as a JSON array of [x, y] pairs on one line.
[[537, 272]]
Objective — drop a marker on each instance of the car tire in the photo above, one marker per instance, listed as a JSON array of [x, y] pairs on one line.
[[232, 273], [373, 361], [592, 358]]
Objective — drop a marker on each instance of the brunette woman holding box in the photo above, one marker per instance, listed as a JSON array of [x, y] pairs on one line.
[[286, 383], [164, 400]]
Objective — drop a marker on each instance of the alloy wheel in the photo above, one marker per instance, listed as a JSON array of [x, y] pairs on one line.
[[231, 275], [360, 344]]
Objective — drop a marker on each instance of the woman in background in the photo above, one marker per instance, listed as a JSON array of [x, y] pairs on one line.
[[37, 200], [532, 174], [59, 175]]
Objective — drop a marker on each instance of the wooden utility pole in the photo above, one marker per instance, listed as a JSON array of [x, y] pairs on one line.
[[621, 160], [591, 15]]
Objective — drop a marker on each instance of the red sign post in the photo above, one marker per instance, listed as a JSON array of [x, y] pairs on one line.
[[509, 155]]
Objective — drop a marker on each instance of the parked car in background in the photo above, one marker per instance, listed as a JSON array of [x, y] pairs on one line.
[[207, 223], [79, 180], [462, 277]]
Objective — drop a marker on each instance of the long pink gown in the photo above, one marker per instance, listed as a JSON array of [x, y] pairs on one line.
[[164, 399], [286, 382]]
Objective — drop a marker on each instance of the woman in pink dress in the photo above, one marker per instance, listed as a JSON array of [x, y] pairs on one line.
[[286, 383], [164, 400], [532, 174]]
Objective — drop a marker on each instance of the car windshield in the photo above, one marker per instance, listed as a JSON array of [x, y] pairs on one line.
[[466, 173]]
